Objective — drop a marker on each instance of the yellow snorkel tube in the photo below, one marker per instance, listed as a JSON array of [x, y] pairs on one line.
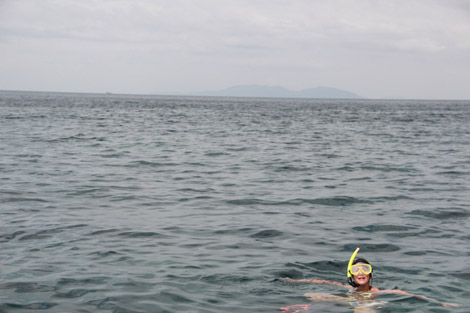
[[351, 260]]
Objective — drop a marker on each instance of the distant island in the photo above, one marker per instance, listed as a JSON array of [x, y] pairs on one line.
[[279, 92]]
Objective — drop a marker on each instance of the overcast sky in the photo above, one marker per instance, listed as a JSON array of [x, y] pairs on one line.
[[375, 48]]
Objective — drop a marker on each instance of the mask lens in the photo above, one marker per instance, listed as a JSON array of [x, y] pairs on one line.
[[365, 268]]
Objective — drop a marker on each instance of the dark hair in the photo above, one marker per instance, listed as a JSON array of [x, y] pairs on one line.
[[361, 261]]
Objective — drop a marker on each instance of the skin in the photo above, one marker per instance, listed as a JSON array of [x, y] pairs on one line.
[[363, 282]]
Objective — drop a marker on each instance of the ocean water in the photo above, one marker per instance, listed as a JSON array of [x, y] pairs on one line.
[[119, 203]]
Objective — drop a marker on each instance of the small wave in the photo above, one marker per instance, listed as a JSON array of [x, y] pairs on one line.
[[78, 137], [295, 274], [384, 247], [8, 237], [442, 214], [28, 156], [239, 149], [195, 190], [5, 307], [407, 234], [225, 278], [97, 280], [320, 266], [359, 178], [415, 253], [104, 254], [250, 202], [216, 154], [112, 155], [84, 190], [388, 169], [453, 173], [233, 231], [22, 199], [333, 201], [382, 228], [47, 233], [150, 164], [106, 303], [391, 198], [170, 297], [74, 293], [13, 117], [290, 168], [142, 235], [346, 169], [34, 236], [104, 231], [194, 198], [336, 201], [460, 275], [268, 233], [123, 198], [27, 287]]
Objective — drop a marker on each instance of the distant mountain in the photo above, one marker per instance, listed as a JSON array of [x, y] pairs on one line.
[[280, 92]]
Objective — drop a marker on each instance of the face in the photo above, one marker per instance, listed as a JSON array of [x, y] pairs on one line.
[[361, 279]]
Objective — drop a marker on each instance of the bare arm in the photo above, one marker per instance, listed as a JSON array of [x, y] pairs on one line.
[[402, 292], [316, 281]]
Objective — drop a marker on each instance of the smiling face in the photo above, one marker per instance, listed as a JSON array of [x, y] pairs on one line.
[[361, 272], [362, 279]]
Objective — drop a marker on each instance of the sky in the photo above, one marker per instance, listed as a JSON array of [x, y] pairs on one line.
[[416, 49]]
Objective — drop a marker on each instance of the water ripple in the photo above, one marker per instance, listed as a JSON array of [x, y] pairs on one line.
[[125, 203]]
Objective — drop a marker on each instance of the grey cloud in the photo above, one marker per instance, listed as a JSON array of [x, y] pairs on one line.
[[321, 42]]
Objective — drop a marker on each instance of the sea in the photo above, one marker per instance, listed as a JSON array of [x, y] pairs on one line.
[[137, 203]]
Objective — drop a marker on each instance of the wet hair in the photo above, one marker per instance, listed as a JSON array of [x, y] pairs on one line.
[[360, 260]]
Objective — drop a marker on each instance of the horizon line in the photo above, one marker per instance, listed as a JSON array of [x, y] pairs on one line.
[[190, 94]]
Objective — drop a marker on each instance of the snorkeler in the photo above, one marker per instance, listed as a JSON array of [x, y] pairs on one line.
[[359, 275]]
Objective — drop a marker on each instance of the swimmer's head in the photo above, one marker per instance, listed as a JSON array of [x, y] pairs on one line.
[[361, 272]]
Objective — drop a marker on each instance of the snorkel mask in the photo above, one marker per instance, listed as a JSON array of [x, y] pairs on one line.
[[357, 268]]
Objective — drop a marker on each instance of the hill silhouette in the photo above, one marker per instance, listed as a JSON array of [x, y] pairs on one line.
[[280, 92]]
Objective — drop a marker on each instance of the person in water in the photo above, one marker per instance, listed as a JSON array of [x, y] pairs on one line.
[[359, 278]]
